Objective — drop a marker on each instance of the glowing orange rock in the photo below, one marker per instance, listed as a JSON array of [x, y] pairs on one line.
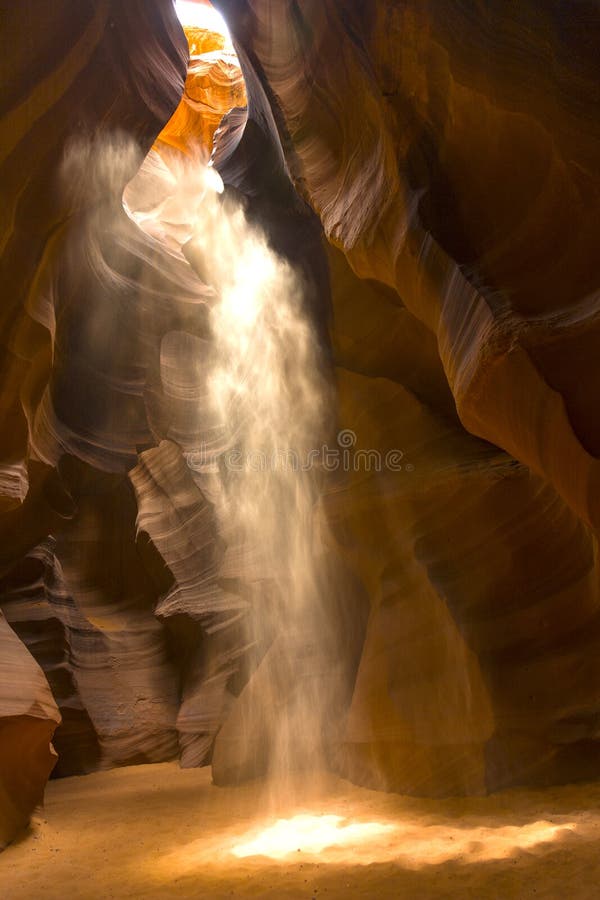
[[213, 86], [201, 40]]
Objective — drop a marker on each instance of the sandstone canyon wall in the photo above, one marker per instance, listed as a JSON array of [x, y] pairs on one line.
[[451, 152], [432, 171]]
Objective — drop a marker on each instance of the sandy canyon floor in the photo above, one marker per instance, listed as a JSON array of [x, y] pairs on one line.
[[158, 831]]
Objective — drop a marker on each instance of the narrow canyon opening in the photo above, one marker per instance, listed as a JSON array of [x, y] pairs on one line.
[[260, 371]]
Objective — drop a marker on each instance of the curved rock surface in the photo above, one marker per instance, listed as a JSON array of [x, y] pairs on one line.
[[72, 586], [29, 718], [451, 153], [448, 153], [214, 85]]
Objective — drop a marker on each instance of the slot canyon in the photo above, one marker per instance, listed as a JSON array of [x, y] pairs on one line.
[[300, 449]]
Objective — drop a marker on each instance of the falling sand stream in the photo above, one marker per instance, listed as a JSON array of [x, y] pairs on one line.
[[266, 410], [267, 405], [271, 402]]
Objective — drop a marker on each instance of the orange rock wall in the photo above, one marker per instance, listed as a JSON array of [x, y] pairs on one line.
[[451, 152], [214, 85], [443, 160]]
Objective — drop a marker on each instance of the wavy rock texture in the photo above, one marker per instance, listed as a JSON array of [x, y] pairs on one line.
[[43, 615], [214, 85], [73, 586], [181, 524], [452, 152], [449, 153], [105, 568]]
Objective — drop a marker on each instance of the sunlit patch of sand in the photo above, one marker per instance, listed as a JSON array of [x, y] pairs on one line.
[[353, 839], [158, 831], [310, 834], [363, 843]]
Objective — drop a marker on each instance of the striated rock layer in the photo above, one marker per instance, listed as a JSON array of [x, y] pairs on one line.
[[451, 152], [214, 85], [110, 557], [431, 172], [83, 84]]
